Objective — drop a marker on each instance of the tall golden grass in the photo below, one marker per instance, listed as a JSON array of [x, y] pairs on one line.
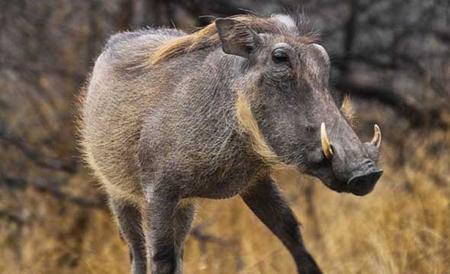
[[403, 227]]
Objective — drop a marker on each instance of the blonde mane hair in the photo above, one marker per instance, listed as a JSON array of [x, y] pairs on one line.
[[208, 37], [248, 124], [348, 111]]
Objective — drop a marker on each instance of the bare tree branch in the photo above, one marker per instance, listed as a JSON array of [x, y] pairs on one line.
[[415, 113], [53, 188], [12, 217], [36, 156]]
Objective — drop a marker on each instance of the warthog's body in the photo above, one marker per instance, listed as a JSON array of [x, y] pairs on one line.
[[167, 117], [172, 109]]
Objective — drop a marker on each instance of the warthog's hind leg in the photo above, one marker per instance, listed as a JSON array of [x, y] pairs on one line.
[[266, 201], [130, 224]]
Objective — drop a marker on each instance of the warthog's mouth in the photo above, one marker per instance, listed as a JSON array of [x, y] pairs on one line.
[[362, 184]]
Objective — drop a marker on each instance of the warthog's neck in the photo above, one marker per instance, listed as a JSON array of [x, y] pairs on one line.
[[208, 109]]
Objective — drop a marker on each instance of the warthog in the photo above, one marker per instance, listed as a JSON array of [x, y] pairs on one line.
[[169, 117]]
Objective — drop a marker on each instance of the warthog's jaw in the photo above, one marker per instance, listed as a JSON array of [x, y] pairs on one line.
[[360, 180], [361, 183]]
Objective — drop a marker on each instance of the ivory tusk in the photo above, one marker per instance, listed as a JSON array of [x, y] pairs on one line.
[[376, 140], [326, 145]]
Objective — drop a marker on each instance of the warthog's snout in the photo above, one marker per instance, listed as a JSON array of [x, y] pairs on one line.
[[363, 180], [353, 164]]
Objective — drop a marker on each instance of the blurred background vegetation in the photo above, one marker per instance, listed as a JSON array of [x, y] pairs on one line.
[[391, 56]]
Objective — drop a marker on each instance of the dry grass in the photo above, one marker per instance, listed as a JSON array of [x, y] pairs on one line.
[[402, 227]]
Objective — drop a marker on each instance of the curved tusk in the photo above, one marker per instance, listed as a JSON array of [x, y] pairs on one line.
[[326, 145], [376, 140]]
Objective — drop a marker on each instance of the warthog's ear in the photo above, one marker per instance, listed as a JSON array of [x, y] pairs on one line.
[[236, 37]]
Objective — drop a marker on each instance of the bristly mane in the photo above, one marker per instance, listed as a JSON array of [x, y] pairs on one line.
[[208, 37]]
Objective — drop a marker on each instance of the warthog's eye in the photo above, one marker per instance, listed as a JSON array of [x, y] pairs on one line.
[[280, 56]]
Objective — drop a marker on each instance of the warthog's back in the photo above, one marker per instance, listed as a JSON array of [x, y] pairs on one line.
[[121, 90]]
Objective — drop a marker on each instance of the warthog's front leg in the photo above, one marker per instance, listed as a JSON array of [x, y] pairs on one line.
[[183, 217], [160, 211], [266, 201], [129, 219]]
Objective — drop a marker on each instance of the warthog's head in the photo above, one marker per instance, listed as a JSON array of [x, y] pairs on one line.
[[288, 111]]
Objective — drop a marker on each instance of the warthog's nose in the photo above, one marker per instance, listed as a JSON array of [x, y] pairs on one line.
[[363, 181]]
